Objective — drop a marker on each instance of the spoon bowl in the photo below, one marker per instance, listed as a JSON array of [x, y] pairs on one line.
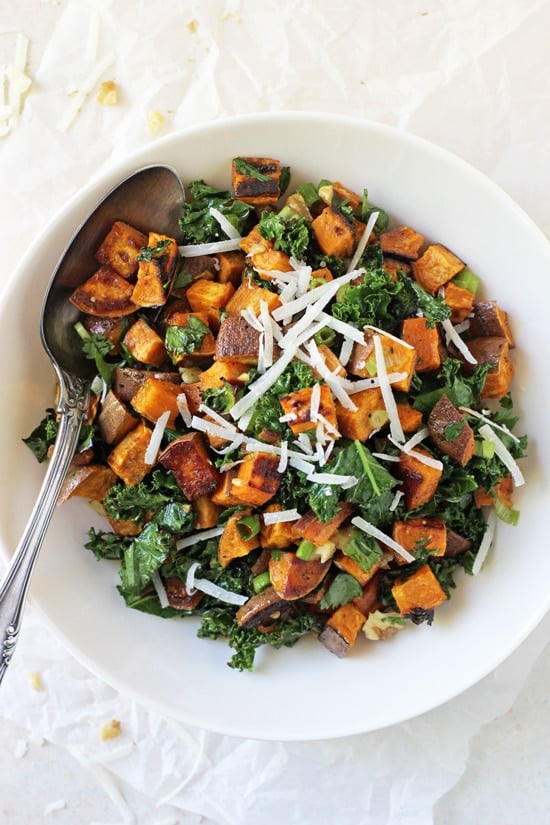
[[149, 199]]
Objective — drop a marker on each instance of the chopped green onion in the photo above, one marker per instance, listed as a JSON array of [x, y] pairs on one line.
[[484, 449], [467, 280], [261, 581], [505, 513], [305, 550], [325, 336], [248, 527]]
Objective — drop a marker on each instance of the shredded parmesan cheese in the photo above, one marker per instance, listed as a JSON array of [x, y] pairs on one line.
[[452, 336], [192, 584], [503, 453], [278, 516], [193, 250], [361, 246], [373, 531], [387, 395], [204, 535], [152, 450], [231, 231], [486, 542]]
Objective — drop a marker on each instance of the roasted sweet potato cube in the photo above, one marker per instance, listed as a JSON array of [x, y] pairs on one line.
[[237, 340], [112, 329], [311, 528], [488, 319], [250, 296], [192, 393], [277, 535], [496, 352], [331, 360], [196, 268], [222, 494], [351, 198], [145, 344], [193, 470], [206, 512], [257, 479], [460, 300], [105, 293], [120, 248], [254, 241], [232, 543], [230, 267], [298, 404], [425, 340], [347, 565], [369, 600], [398, 357], [155, 275], [209, 297], [262, 255], [256, 180], [222, 373], [125, 526], [403, 242], [127, 381], [127, 459], [421, 534], [394, 265], [199, 350], [92, 481], [154, 397], [503, 489], [334, 233], [293, 578], [342, 629], [450, 432], [420, 591], [419, 480], [115, 419], [367, 419], [411, 419], [436, 267]]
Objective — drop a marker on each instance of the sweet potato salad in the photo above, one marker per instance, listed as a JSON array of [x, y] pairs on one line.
[[301, 421]]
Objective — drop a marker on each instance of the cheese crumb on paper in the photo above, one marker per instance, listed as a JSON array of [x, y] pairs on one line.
[[108, 93], [35, 680], [110, 730]]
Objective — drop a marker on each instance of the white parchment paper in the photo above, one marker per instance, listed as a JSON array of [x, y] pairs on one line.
[[472, 77]]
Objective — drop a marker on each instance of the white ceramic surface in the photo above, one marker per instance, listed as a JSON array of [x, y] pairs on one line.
[[303, 692]]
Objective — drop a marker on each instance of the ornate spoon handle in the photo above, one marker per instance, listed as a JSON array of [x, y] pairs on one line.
[[73, 408]]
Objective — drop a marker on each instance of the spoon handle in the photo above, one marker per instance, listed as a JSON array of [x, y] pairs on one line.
[[72, 408]]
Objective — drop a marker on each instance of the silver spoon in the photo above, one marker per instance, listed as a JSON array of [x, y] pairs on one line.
[[150, 200]]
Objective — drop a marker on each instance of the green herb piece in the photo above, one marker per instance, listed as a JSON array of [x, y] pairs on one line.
[[452, 431], [244, 167], [42, 438], [96, 346], [364, 550], [289, 232], [153, 253], [106, 545], [220, 399], [181, 341], [199, 225], [342, 590]]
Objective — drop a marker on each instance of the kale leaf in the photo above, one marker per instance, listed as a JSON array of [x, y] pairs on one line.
[[289, 232], [372, 493], [185, 339], [199, 226], [342, 590]]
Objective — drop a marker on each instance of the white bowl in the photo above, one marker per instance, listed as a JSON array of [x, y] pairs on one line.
[[304, 692]]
